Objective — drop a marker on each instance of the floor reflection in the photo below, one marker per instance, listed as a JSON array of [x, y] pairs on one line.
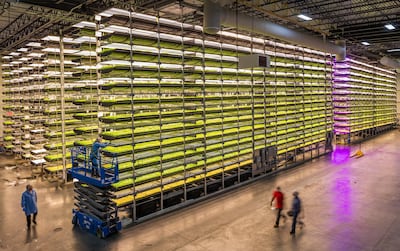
[[340, 155], [342, 197], [31, 234]]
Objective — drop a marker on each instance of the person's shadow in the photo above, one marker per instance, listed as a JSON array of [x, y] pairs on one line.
[[31, 234]]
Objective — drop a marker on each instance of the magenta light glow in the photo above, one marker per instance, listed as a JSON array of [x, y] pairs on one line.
[[340, 155]]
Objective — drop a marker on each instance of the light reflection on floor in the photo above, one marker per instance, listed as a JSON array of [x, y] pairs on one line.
[[341, 155]]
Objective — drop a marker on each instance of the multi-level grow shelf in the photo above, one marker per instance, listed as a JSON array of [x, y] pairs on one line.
[[59, 102], [87, 90], [364, 100], [37, 117], [53, 102], [185, 122], [16, 105], [9, 106]]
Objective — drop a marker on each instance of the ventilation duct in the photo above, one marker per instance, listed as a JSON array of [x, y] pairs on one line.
[[390, 62], [215, 15]]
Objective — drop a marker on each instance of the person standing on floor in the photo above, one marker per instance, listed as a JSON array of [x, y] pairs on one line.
[[296, 208], [278, 195], [94, 155], [29, 205]]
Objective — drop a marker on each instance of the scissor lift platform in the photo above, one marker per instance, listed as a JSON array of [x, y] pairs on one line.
[[94, 212]]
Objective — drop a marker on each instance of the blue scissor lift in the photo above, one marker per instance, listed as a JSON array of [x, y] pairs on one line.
[[94, 212]]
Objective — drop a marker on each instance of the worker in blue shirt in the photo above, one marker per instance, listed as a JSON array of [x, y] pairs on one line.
[[29, 204], [94, 155], [296, 208]]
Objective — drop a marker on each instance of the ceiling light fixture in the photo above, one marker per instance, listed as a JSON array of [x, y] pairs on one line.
[[304, 17], [390, 27], [85, 24], [23, 49], [365, 43], [393, 50], [33, 44]]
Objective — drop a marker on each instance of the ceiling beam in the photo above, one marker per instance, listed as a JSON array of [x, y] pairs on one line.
[[24, 34], [344, 20], [5, 5], [385, 39], [19, 23], [363, 30], [35, 17], [310, 5], [341, 7], [369, 35], [271, 14], [379, 21]]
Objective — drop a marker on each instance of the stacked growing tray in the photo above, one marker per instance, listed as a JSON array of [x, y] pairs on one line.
[[75, 60], [184, 121], [364, 100], [13, 104], [9, 106], [18, 83], [32, 103], [34, 119], [53, 99], [86, 92]]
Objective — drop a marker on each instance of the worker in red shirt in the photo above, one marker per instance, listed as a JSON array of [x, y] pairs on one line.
[[278, 195]]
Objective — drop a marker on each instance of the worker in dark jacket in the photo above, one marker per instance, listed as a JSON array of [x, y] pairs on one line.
[[94, 155], [29, 204], [296, 208]]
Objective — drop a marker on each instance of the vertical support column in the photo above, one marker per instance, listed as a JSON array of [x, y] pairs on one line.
[[132, 104], [160, 109], [221, 79], [64, 150], [98, 36], [266, 143], [398, 95], [182, 33], [1, 99], [238, 83], [303, 115], [204, 105], [252, 79], [276, 101]]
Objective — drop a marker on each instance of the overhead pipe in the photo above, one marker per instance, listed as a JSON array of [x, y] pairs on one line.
[[390, 62], [215, 15]]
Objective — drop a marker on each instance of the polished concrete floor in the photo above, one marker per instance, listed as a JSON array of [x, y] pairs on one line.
[[349, 204]]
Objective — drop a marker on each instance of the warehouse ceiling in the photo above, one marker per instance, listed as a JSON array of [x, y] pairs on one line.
[[355, 21]]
